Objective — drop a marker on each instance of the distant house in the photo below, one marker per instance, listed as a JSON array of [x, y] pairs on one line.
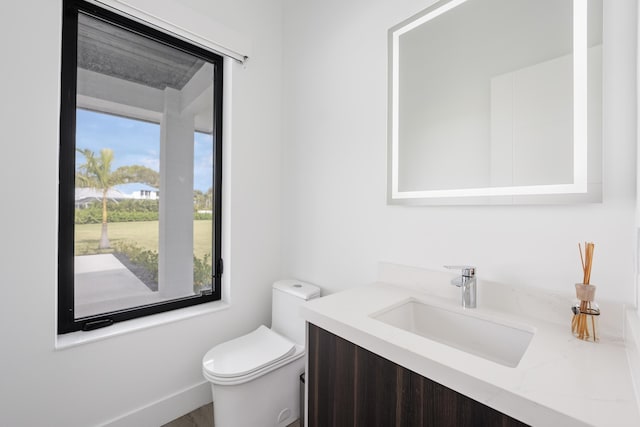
[[139, 191], [85, 196]]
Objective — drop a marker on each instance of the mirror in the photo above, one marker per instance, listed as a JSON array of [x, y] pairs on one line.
[[496, 102]]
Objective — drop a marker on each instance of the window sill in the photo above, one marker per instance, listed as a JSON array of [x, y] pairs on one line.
[[74, 339]]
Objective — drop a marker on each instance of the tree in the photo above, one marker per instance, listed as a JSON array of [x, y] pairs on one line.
[[202, 201], [96, 173], [198, 200]]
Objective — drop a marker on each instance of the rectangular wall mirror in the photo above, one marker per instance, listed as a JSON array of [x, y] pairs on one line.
[[496, 102]]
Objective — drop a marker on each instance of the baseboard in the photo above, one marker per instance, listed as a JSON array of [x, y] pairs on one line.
[[632, 342], [166, 409]]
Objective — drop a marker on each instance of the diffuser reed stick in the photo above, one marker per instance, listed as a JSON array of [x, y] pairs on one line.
[[585, 312], [587, 261]]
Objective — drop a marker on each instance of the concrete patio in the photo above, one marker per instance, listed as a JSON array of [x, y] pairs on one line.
[[103, 284]]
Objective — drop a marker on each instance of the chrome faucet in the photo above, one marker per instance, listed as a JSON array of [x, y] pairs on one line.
[[467, 283]]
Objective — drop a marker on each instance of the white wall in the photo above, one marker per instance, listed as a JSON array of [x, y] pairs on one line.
[[336, 224], [94, 383]]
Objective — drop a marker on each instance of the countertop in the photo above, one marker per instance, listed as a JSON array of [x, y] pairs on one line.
[[560, 380]]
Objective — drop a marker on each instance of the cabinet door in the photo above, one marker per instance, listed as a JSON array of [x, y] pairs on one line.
[[436, 405], [350, 386]]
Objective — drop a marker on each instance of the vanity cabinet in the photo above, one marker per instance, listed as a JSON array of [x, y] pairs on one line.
[[351, 386]]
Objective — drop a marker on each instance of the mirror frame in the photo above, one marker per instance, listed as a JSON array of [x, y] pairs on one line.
[[580, 191]]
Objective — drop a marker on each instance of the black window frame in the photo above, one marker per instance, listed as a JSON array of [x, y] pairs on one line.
[[66, 191]]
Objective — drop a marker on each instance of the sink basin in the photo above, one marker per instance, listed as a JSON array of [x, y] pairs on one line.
[[496, 341]]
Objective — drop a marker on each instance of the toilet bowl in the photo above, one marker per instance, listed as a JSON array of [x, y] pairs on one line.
[[255, 378]]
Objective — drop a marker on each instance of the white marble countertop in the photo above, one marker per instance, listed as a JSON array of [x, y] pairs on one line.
[[560, 380]]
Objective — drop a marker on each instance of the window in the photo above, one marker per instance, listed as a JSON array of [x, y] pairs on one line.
[[140, 171]]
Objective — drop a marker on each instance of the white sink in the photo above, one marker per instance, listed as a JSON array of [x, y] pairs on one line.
[[499, 342]]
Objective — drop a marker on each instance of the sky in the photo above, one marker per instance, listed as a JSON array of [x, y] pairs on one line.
[[135, 142]]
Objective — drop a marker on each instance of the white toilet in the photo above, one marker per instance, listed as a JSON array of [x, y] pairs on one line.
[[255, 377]]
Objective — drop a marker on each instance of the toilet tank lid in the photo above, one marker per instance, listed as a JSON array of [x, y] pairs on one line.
[[298, 288]]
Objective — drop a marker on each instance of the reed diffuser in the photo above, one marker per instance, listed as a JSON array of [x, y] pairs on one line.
[[584, 324]]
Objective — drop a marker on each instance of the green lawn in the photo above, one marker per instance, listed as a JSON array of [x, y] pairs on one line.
[[142, 233]]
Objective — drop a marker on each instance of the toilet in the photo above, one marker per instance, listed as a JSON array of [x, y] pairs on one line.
[[255, 378]]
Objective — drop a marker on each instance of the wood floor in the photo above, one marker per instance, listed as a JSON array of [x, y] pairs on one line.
[[202, 417]]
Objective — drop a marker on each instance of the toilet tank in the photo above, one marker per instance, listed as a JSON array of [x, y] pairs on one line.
[[287, 297]]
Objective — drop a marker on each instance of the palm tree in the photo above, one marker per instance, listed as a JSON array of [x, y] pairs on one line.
[[96, 173]]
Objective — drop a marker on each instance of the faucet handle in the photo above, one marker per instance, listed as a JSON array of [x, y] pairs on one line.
[[467, 270]]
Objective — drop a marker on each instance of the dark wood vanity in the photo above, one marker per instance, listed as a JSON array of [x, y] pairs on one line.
[[351, 386]]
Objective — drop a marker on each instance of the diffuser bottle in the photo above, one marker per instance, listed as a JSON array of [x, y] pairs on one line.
[[586, 312]]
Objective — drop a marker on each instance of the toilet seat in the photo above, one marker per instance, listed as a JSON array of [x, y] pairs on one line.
[[249, 356]]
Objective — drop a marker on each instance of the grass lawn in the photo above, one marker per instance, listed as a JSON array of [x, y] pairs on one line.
[[142, 233]]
